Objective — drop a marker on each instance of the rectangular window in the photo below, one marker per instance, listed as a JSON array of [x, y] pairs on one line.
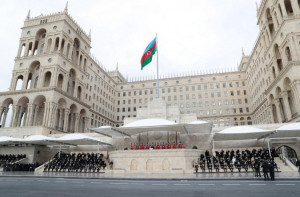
[[231, 93], [205, 86], [245, 92], [174, 89], [224, 85], [238, 92], [240, 101], [241, 110], [232, 102], [169, 98], [212, 95], [175, 98], [169, 90], [200, 104], [199, 87], [187, 96], [193, 96], [218, 85], [206, 103], [237, 84], [246, 100], [206, 95], [181, 97], [180, 89], [199, 96], [213, 103], [219, 94], [211, 86]]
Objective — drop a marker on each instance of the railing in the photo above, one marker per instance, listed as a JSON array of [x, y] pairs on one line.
[[288, 162]]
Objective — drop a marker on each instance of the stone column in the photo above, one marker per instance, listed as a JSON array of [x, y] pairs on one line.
[[295, 85], [54, 112], [60, 122], [67, 112], [270, 109], [52, 45], [26, 48], [59, 44], [45, 118], [4, 117], [70, 51], [13, 116], [21, 112], [20, 49], [2, 109], [76, 125], [65, 48], [78, 60], [72, 124], [286, 105], [30, 116], [75, 89], [36, 110], [278, 110]]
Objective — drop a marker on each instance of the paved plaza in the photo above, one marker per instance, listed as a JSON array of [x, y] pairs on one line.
[[35, 187]]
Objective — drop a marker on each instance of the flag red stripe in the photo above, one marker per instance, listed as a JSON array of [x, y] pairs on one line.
[[146, 55]]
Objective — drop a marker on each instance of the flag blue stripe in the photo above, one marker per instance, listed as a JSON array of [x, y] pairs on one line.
[[150, 45]]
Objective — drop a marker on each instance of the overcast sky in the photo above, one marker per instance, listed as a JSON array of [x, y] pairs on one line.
[[193, 35]]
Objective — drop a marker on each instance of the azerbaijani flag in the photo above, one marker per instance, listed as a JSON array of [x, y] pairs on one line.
[[148, 53]]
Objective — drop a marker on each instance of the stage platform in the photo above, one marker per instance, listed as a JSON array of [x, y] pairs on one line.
[[154, 161]]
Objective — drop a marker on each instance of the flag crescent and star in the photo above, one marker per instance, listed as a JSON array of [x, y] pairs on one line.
[[148, 53]]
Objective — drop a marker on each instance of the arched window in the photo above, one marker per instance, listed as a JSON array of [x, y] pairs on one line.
[[288, 54], [19, 82], [60, 81], [47, 79], [270, 21], [79, 92], [289, 8], [278, 57]]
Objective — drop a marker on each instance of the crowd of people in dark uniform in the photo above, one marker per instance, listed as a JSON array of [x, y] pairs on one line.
[[227, 161], [81, 162], [6, 159], [30, 167]]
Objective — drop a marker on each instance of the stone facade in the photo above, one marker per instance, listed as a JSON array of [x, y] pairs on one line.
[[58, 85]]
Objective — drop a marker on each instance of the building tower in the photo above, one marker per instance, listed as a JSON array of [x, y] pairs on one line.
[[49, 77]]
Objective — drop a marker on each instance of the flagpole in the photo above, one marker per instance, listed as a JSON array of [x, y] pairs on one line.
[[157, 91]]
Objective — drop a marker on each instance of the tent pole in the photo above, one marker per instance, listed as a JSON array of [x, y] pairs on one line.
[[147, 138], [269, 148], [59, 151]]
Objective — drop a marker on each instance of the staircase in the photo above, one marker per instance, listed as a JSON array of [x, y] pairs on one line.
[[282, 166]]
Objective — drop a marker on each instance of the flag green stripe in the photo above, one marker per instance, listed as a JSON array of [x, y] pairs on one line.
[[149, 59]]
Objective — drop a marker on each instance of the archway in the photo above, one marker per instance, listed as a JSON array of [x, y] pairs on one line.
[[287, 152], [19, 82], [278, 57], [71, 82], [270, 22], [75, 52], [60, 114], [273, 109], [33, 74], [60, 81], [289, 8], [40, 41], [6, 114], [71, 122], [47, 79], [38, 111], [21, 112]]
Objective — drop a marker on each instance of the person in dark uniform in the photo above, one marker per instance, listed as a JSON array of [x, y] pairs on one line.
[[271, 170], [298, 165], [265, 168], [196, 168], [257, 169]]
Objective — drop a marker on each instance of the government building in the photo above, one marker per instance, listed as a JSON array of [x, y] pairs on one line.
[[59, 87]]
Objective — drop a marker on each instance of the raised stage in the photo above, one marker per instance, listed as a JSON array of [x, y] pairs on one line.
[[154, 161]]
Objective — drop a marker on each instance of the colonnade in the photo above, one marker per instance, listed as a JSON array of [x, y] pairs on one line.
[[48, 115]]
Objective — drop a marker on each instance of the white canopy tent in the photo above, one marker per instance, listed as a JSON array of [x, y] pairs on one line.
[[289, 130], [41, 140], [146, 125], [241, 133], [80, 139], [4, 140]]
